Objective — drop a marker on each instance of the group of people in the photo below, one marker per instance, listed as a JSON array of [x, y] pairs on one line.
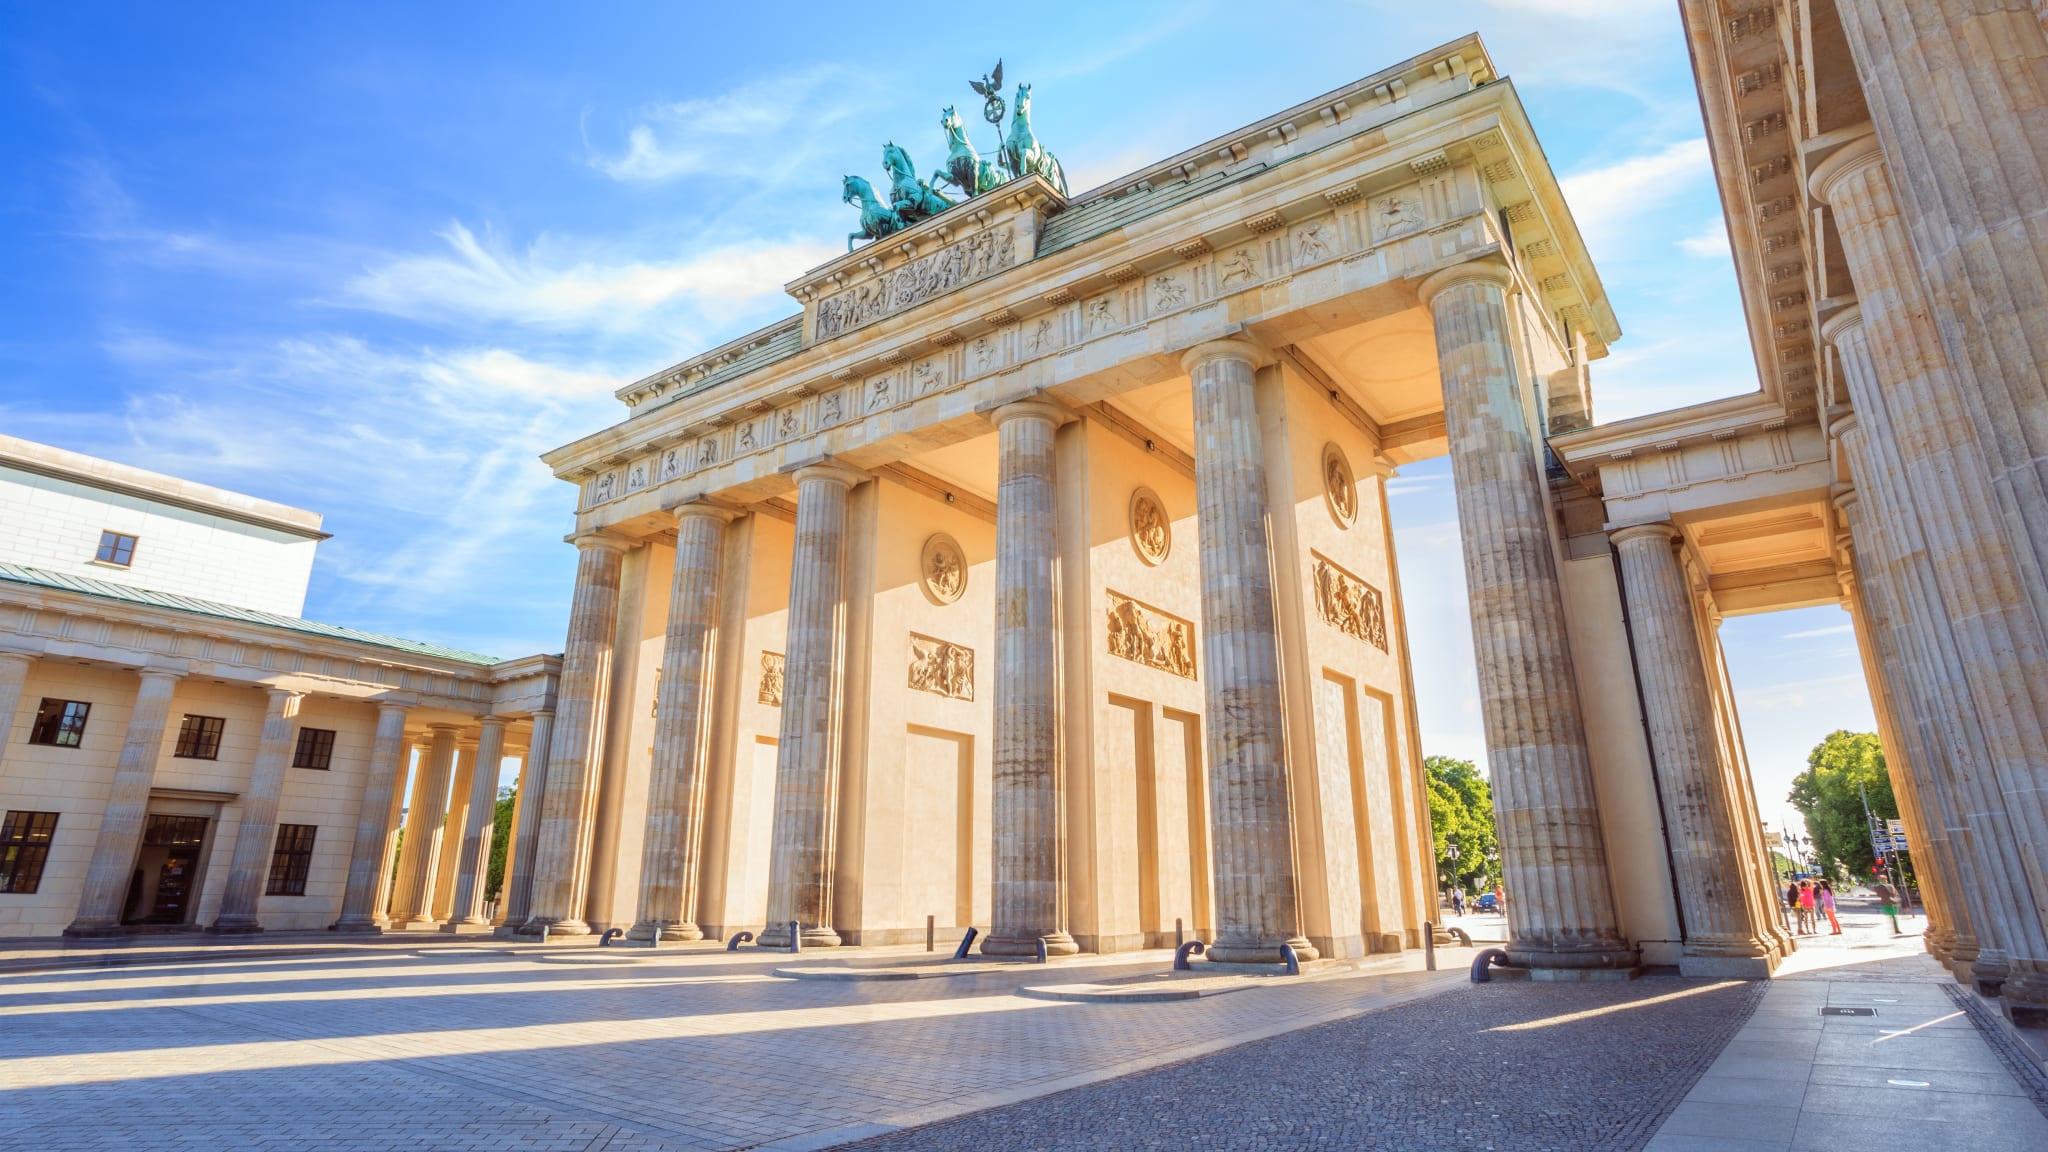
[[1455, 900], [1809, 900]]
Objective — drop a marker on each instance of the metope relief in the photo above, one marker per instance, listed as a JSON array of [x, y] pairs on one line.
[[941, 668], [1395, 215], [1151, 531], [1349, 604], [1239, 267], [953, 266], [1144, 635], [1340, 489], [942, 570], [771, 679]]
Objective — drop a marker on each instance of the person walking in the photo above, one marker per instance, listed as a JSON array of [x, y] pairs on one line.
[[1826, 899], [1888, 900], [1807, 925], [1458, 901]]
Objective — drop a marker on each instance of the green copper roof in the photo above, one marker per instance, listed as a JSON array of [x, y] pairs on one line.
[[1092, 218], [37, 577], [781, 344]]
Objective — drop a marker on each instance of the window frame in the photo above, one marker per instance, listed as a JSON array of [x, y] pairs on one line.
[[25, 839], [291, 859], [116, 548], [199, 742], [50, 729], [314, 744]]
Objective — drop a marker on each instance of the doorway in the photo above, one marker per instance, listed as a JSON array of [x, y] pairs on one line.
[[165, 885]]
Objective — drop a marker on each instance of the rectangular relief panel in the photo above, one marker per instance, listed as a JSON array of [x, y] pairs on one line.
[[941, 667], [1349, 604], [771, 680], [1145, 635]]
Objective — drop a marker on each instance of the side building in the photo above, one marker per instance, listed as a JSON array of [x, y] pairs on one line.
[[178, 748]]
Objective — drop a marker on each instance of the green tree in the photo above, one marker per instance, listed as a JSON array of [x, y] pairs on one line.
[[501, 838], [1461, 815], [1840, 772]]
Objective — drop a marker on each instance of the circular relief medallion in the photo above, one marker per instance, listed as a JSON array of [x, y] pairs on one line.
[[943, 569], [1151, 531], [1340, 490]]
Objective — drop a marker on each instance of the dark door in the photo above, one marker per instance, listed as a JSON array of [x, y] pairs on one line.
[[174, 887], [172, 848]]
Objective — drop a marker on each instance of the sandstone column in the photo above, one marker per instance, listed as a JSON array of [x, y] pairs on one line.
[[1025, 801], [1721, 938], [113, 852], [453, 821], [533, 782], [370, 857], [412, 895], [1907, 403], [670, 851], [561, 859], [467, 908], [257, 837], [14, 668], [1251, 819], [412, 759], [1560, 902], [1956, 91], [807, 760]]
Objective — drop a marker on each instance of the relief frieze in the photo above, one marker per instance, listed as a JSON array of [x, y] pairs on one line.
[[957, 264], [771, 679], [1349, 604], [1145, 635], [941, 667]]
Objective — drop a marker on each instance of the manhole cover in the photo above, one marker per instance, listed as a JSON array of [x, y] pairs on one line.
[[1834, 1011]]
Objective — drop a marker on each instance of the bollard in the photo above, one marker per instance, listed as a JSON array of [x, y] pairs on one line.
[[1461, 936], [738, 938], [1041, 949], [610, 934], [966, 942], [1484, 962], [931, 933], [1428, 946], [544, 930], [796, 938], [654, 941], [1179, 934], [1292, 961], [1180, 955]]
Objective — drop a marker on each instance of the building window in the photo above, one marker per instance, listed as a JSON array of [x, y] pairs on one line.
[[24, 845], [291, 860], [117, 548], [199, 738], [316, 749], [60, 722]]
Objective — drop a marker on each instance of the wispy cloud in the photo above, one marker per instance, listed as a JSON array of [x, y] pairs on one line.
[[1607, 200], [1814, 633], [749, 133], [1710, 242]]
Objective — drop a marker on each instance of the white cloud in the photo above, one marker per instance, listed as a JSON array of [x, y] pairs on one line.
[[745, 133], [1710, 242], [1812, 633], [570, 285], [1606, 200]]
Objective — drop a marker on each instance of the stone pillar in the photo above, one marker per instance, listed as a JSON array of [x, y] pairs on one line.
[[1907, 403], [561, 859], [1720, 937], [412, 896], [370, 857], [1956, 92], [807, 760], [1025, 798], [467, 908], [1251, 819], [113, 852], [1560, 902], [256, 840], [14, 668], [413, 755], [448, 867], [670, 851], [533, 782]]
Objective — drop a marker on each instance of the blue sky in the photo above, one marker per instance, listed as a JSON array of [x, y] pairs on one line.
[[372, 259]]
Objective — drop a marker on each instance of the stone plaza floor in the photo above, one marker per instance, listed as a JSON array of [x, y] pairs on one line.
[[420, 1043]]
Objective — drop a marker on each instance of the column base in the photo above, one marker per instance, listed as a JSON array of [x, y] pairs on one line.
[[2027, 1015], [247, 927], [94, 929], [1612, 955], [1056, 944], [1259, 952], [681, 932], [467, 926], [357, 927], [814, 936]]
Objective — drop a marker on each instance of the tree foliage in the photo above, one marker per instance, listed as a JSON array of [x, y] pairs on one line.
[[1840, 771], [1461, 814]]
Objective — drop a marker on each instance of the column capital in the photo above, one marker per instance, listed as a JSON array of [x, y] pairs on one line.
[[1486, 270], [1661, 530], [1232, 348], [1035, 408], [1844, 496], [1842, 324], [22, 658], [1844, 162], [600, 538], [846, 476], [148, 674], [437, 729], [698, 507], [391, 708], [498, 722], [1844, 424]]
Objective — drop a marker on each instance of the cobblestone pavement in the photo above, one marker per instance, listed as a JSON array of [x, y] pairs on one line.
[[485, 1048], [1521, 1066]]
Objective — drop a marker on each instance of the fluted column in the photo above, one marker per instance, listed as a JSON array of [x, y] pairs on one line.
[[807, 760], [533, 782], [426, 817], [370, 856], [113, 852], [1699, 815], [561, 860], [255, 841], [1909, 402], [1251, 819], [412, 757], [670, 851], [14, 668], [448, 867], [1560, 902], [467, 908], [1956, 92], [1025, 800]]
